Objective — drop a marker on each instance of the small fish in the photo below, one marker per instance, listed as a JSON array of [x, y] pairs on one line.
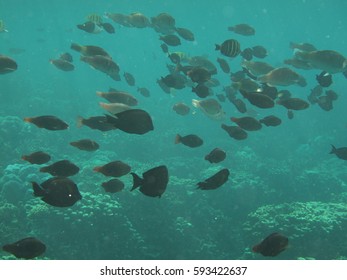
[[117, 96], [7, 65], [235, 132], [171, 40], [325, 103], [113, 169], [324, 79], [27, 248], [229, 48], [85, 145], [114, 108], [293, 103], [181, 109], [306, 47], [201, 90], [164, 48], [341, 153], [129, 79], [63, 65], [108, 27], [98, 123], [215, 181], [199, 74], [282, 76], [103, 64], [258, 99], [240, 105], [216, 155], [190, 140], [185, 33], [37, 157], [66, 56], [247, 54], [242, 29], [153, 183], [272, 245], [247, 123], [257, 68], [90, 27], [89, 50], [224, 65], [62, 168], [259, 51], [47, 122], [176, 80], [271, 120], [57, 191], [210, 107], [144, 91], [113, 186]]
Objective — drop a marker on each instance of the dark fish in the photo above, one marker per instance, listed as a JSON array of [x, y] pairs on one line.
[[271, 92], [89, 50], [176, 81], [240, 105], [144, 91], [221, 97], [62, 64], [7, 65], [175, 58], [247, 123], [85, 145], [164, 48], [229, 48], [129, 79], [27, 248], [90, 27], [215, 181], [113, 186], [57, 191], [199, 74], [47, 122], [290, 114], [108, 27], [216, 155], [306, 47], [181, 109], [37, 157], [185, 33], [154, 181], [67, 57], [104, 64], [259, 51], [189, 140], [324, 79], [223, 65], [171, 40], [115, 169], [116, 96], [325, 103], [163, 86], [247, 54], [341, 153], [271, 120], [201, 90], [98, 123], [235, 132], [272, 245], [242, 29], [293, 103], [134, 121], [332, 95], [258, 99], [62, 168]]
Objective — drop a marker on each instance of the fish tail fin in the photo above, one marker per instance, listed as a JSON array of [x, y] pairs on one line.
[[75, 47], [43, 169], [28, 120], [97, 169], [137, 181], [217, 47], [333, 149], [38, 191], [79, 121], [178, 139], [292, 45], [24, 157]]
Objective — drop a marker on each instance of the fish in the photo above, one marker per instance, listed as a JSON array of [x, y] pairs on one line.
[[293, 103], [199, 74], [7, 65], [216, 155], [171, 40], [57, 191], [247, 123], [324, 79], [181, 108], [103, 64], [153, 183], [271, 120], [164, 48], [247, 54], [199, 61], [341, 153], [67, 57], [98, 123], [282, 76], [325, 103], [259, 100], [235, 132], [114, 169], [133, 121], [175, 58], [297, 63], [144, 91], [117, 96], [113, 186], [185, 33], [85, 145], [259, 51], [89, 50], [201, 90], [129, 79], [119, 18], [332, 95], [229, 48], [138, 20], [164, 23], [108, 27], [257, 68], [62, 168], [114, 108], [47, 122], [90, 27], [210, 107], [306, 47], [326, 60], [37, 157], [176, 81], [190, 140], [215, 181], [272, 245], [246, 85], [27, 248], [239, 104], [62, 64], [224, 65], [242, 29], [290, 114]]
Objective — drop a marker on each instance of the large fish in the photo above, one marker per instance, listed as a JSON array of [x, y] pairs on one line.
[[215, 181], [27, 248], [272, 245], [7, 65]]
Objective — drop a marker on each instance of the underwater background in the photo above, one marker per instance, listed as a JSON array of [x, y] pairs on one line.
[[282, 179]]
